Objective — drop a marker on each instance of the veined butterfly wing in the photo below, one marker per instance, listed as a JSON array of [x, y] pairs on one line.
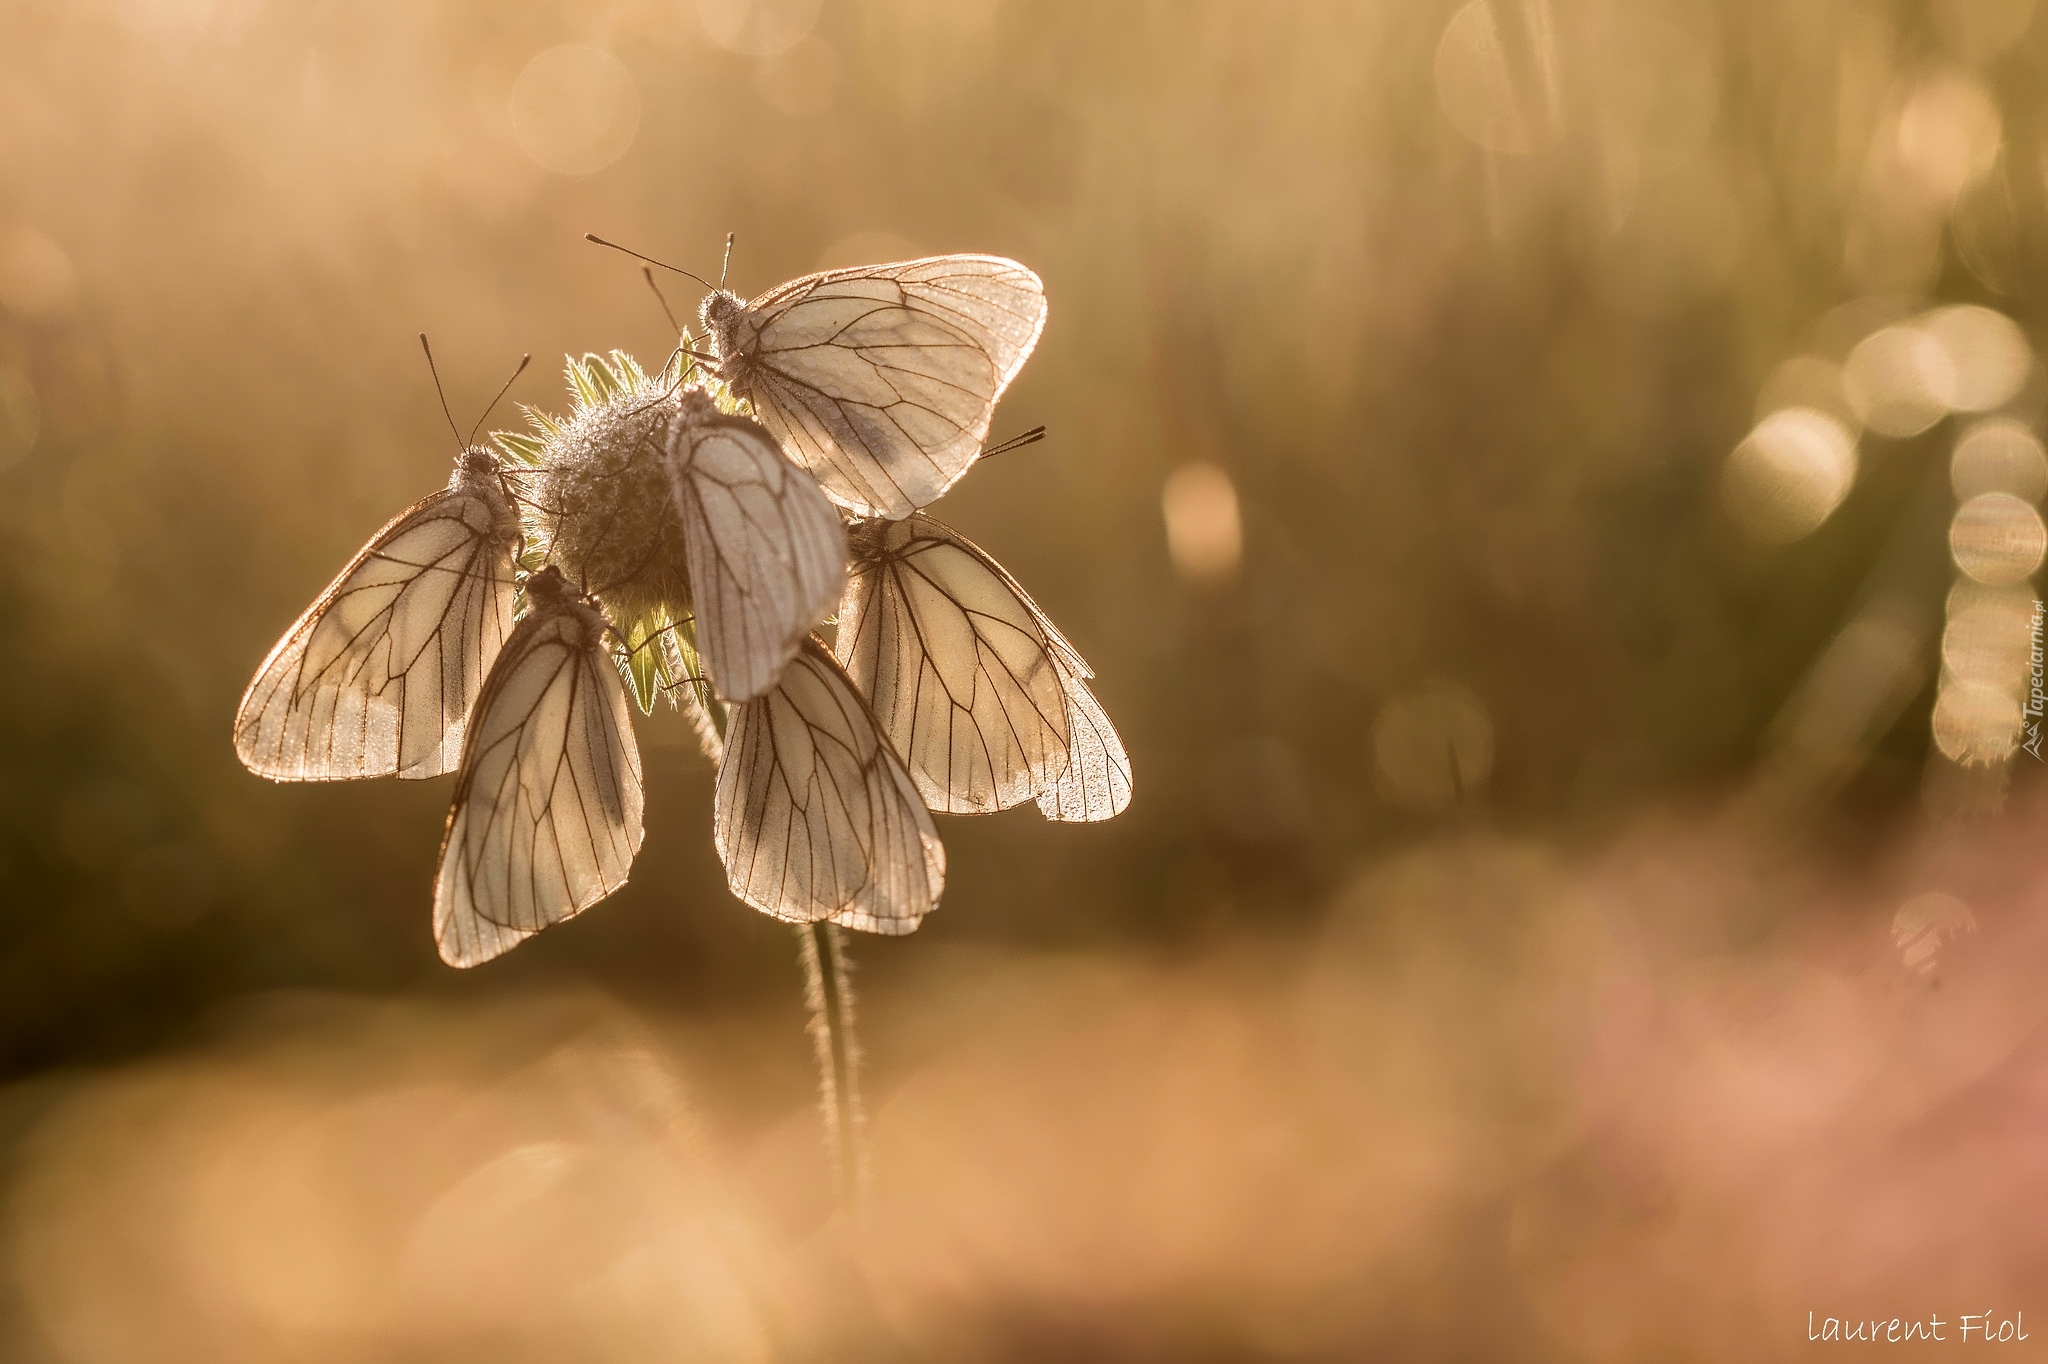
[[766, 548], [987, 702], [1097, 782], [882, 379], [379, 674], [962, 669], [816, 817], [548, 800]]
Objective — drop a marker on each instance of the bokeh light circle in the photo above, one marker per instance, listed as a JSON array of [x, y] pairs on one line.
[[1473, 84], [1948, 135], [1789, 474], [1432, 747], [1999, 456], [1899, 380], [1204, 531], [1806, 381], [575, 109], [1988, 355], [1974, 723], [757, 28], [1997, 539], [1986, 641]]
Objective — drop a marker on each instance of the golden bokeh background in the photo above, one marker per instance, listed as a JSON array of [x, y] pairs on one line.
[[1550, 489]]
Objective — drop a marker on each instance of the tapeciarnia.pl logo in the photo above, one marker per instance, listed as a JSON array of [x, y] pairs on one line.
[[2037, 697]]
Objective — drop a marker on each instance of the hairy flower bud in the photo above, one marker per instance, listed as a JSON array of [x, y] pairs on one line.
[[601, 503]]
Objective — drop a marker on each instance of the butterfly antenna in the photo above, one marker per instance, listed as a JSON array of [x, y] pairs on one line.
[[524, 361], [647, 273], [728, 260], [593, 237], [1031, 437], [440, 392]]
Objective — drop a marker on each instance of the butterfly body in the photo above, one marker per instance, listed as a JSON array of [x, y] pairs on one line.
[[721, 313], [880, 379]]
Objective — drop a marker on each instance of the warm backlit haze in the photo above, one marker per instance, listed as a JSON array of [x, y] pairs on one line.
[[1551, 492]]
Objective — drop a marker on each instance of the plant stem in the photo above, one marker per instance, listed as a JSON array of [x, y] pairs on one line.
[[828, 992]]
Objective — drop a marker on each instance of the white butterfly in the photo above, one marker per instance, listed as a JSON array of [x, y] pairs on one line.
[[881, 380], [378, 674], [548, 800], [766, 548], [815, 816], [986, 700]]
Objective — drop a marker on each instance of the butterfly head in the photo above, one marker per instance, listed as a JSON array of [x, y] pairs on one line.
[[696, 405], [720, 314], [548, 590], [479, 475], [868, 541]]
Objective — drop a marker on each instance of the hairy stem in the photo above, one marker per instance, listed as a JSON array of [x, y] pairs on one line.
[[828, 992]]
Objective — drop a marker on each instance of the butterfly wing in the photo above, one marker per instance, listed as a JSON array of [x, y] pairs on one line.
[[1096, 784], [766, 550], [378, 674], [881, 380], [964, 672], [548, 800], [816, 817]]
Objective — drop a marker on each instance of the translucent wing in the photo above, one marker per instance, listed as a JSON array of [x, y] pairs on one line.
[[547, 804], [881, 380], [964, 672], [766, 549], [816, 816], [378, 674], [1097, 782]]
